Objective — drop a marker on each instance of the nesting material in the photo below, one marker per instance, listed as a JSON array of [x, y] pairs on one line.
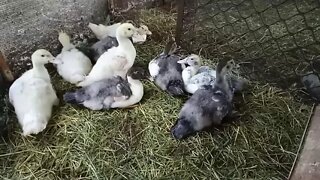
[[136, 144]]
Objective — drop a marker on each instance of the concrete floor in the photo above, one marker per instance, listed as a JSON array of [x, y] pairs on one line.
[[307, 166]]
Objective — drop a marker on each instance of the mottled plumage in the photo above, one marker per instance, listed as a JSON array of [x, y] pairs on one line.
[[166, 72], [100, 95], [207, 106]]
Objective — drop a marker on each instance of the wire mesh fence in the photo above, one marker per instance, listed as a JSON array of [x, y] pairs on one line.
[[275, 41]]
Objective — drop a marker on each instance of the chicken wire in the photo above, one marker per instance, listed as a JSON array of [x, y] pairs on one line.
[[275, 41]]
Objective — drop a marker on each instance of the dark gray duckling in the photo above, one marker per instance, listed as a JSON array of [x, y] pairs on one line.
[[102, 94], [311, 82], [207, 106], [165, 71], [102, 46]]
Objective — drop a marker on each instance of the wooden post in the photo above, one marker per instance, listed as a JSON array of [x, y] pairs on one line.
[[4, 68], [179, 23]]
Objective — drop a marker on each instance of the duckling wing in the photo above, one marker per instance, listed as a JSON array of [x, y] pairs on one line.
[[204, 69], [155, 64], [209, 104], [114, 86], [102, 46], [202, 79], [35, 94]]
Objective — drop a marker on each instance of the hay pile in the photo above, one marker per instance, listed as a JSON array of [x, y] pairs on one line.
[[136, 143]]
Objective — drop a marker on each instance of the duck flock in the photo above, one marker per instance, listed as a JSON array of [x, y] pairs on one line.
[[105, 80]]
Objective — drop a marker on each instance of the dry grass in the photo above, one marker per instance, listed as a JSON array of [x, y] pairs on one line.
[[136, 143]]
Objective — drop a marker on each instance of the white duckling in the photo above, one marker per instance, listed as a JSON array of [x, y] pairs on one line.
[[102, 31], [71, 63], [166, 72], [114, 92], [207, 106], [195, 75], [141, 35], [117, 60], [33, 96]]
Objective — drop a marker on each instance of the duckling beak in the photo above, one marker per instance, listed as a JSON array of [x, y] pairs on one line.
[[183, 61], [54, 61], [149, 32]]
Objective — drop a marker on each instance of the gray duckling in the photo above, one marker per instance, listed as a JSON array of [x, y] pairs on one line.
[[165, 71], [207, 106], [109, 93]]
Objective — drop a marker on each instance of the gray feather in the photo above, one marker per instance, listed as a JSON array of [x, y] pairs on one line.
[[102, 46], [98, 91], [170, 71]]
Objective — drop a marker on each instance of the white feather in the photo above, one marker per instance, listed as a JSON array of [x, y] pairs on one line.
[[116, 61], [33, 97], [72, 64]]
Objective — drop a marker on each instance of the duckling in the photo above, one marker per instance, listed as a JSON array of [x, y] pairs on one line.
[[117, 60], [71, 63], [101, 31], [33, 96], [207, 106], [141, 35], [195, 75], [114, 92], [108, 42], [166, 72], [311, 82]]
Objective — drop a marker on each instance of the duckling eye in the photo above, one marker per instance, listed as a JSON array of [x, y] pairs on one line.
[[42, 55], [129, 29], [228, 67]]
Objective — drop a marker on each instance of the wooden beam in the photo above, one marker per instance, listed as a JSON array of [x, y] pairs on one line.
[[4, 68], [179, 23], [307, 166]]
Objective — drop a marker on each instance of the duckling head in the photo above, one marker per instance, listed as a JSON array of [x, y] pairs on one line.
[[225, 66], [192, 60], [137, 73], [126, 30], [42, 56], [182, 129], [143, 29]]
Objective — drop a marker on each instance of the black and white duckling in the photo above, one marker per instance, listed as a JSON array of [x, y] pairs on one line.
[[33, 96], [195, 75], [72, 65], [97, 49], [117, 60], [114, 92], [165, 71], [207, 106]]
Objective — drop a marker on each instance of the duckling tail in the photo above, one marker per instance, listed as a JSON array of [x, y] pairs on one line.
[[170, 47], [175, 88], [64, 39], [96, 30]]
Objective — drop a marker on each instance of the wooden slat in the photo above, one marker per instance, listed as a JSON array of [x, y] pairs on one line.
[[308, 163], [4, 68], [179, 23]]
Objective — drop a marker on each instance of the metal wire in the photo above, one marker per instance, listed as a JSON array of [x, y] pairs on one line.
[[277, 41]]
